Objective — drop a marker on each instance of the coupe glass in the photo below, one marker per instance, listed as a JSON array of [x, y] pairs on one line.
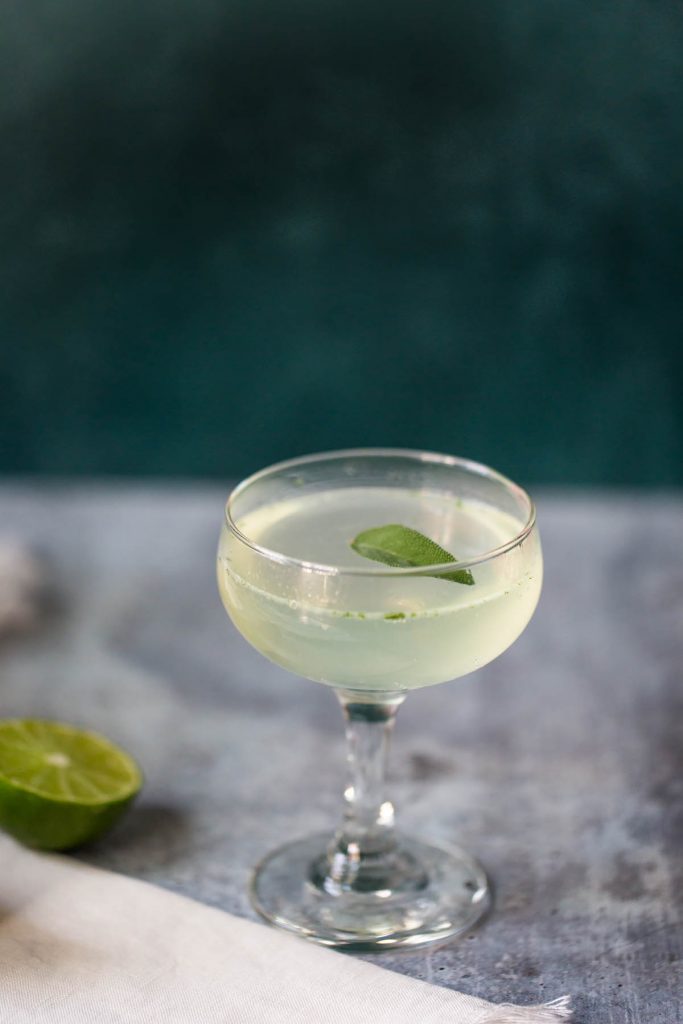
[[299, 593]]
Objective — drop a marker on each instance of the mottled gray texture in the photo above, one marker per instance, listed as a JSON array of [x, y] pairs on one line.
[[559, 764]]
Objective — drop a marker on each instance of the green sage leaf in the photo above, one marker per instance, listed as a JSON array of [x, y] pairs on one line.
[[405, 548]]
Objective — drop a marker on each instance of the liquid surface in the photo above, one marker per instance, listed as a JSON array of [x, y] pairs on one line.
[[382, 632], [319, 528]]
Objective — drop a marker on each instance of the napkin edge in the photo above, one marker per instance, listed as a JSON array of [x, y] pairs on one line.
[[545, 1013]]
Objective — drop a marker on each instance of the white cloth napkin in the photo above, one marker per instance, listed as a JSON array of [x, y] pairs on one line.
[[78, 945]]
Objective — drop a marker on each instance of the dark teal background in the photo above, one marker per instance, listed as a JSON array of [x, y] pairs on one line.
[[235, 232]]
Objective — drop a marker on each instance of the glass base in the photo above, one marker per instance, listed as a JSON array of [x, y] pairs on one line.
[[440, 892]]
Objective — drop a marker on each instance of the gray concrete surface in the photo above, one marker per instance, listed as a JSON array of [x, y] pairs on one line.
[[559, 764]]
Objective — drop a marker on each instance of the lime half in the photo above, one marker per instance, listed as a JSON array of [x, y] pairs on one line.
[[61, 786]]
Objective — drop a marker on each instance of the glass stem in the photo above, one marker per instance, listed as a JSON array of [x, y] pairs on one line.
[[361, 856]]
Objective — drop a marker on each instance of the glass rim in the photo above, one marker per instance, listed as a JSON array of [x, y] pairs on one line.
[[470, 465]]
